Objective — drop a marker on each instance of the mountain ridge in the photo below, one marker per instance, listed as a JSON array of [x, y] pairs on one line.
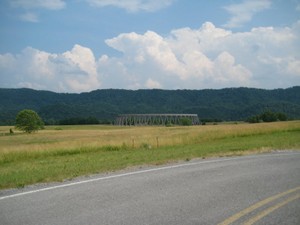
[[105, 104]]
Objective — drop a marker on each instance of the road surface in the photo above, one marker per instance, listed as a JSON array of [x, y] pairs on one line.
[[258, 189]]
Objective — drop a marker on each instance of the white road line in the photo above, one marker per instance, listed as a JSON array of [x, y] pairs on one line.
[[140, 172]]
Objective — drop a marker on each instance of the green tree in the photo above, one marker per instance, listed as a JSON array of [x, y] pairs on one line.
[[185, 122], [268, 116], [282, 117], [254, 119], [29, 121]]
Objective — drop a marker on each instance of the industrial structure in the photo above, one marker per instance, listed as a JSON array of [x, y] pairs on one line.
[[155, 119]]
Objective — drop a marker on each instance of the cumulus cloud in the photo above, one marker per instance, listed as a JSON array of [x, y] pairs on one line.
[[242, 13], [133, 5], [294, 67], [180, 58], [211, 57], [83, 62], [72, 71], [207, 57], [152, 84]]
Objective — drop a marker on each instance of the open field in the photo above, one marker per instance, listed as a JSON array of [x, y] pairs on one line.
[[64, 152]]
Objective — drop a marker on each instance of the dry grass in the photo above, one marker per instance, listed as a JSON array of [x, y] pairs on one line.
[[64, 152], [70, 137]]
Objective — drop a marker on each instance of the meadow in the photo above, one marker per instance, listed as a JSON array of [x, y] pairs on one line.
[[58, 153]]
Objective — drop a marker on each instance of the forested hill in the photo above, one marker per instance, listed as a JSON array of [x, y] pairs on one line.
[[223, 104]]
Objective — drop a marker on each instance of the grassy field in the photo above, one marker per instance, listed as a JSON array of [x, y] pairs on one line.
[[64, 152]]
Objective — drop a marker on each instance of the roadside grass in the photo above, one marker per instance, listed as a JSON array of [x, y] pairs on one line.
[[66, 152]]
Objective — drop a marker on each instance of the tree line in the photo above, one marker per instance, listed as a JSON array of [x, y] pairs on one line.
[[267, 116], [29, 121], [103, 106]]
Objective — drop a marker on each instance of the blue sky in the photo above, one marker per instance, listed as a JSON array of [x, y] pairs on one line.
[[83, 45]]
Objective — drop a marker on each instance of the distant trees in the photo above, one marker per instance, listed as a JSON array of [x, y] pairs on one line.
[[267, 116], [185, 122], [28, 121], [212, 106], [79, 121]]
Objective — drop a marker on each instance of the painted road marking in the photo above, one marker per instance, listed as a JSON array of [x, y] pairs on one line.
[[250, 209], [122, 175], [271, 209], [143, 171]]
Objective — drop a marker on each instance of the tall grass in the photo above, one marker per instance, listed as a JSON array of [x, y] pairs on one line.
[[64, 152]]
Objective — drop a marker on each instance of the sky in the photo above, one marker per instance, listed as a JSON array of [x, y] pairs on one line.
[[74, 46]]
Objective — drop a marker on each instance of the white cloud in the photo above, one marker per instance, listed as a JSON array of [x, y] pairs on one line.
[[294, 67], [83, 60], [30, 6], [229, 73], [148, 48], [180, 59], [242, 13], [152, 84], [211, 57], [45, 4], [133, 5], [7, 60], [29, 17], [72, 71], [208, 57]]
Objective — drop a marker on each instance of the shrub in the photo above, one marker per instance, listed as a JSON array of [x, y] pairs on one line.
[[185, 122], [267, 116]]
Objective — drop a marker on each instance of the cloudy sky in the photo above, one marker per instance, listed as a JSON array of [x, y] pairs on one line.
[[83, 45]]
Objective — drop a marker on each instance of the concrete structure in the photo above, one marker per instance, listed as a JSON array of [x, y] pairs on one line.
[[154, 119]]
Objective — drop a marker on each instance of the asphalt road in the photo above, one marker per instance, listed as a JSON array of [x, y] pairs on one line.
[[259, 189]]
